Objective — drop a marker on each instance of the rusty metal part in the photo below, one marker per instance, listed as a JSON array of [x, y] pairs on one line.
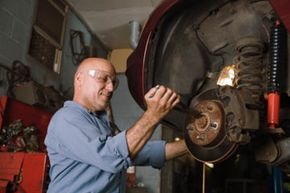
[[222, 108], [205, 135], [250, 68], [267, 152], [205, 129], [277, 130], [275, 152], [283, 146]]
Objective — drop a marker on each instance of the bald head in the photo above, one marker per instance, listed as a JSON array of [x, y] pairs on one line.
[[90, 88], [94, 62]]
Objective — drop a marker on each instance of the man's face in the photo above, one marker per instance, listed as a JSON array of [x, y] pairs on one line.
[[97, 86]]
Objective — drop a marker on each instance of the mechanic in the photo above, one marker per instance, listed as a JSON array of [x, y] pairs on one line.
[[84, 154]]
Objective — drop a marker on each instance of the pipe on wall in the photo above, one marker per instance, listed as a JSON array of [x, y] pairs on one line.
[[135, 31]]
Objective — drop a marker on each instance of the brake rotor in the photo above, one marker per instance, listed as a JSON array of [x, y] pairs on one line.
[[205, 133]]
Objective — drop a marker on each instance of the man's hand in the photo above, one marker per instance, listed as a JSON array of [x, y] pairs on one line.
[[160, 100]]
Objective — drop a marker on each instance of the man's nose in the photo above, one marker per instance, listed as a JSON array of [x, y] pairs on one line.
[[110, 86]]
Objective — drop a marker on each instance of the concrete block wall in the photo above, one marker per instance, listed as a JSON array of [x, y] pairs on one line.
[[16, 20], [15, 28]]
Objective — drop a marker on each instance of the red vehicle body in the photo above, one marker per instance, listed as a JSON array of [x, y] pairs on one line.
[[191, 46]]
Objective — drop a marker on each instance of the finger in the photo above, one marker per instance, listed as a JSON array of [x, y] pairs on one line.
[[173, 97], [160, 92], [167, 95], [152, 92], [176, 101]]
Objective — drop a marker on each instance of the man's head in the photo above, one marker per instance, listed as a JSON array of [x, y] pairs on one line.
[[94, 83]]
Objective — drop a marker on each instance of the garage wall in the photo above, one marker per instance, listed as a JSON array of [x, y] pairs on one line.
[[16, 19], [68, 68]]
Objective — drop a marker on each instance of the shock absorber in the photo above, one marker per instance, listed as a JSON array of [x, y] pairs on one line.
[[277, 61], [249, 64]]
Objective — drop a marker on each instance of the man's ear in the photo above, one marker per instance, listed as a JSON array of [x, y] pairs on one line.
[[78, 78]]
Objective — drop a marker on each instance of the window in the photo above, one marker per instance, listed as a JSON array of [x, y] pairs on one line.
[[47, 34]]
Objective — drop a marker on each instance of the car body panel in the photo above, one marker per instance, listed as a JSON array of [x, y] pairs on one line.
[[136, 67]]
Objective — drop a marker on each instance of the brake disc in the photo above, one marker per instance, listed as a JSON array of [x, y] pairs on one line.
[[218, 121], [205, 134]]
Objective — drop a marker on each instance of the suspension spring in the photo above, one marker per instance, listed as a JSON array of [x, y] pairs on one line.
[[278, 45], [249, 63]]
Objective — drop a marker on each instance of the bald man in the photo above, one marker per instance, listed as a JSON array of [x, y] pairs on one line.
[[84, 154]]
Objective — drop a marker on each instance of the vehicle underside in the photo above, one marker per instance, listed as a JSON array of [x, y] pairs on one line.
[[228, 60]]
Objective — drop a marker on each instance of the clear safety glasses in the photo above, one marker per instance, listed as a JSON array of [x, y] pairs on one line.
[[102, 76]]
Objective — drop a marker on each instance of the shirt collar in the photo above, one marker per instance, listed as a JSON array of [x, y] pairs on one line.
[[79, 106]]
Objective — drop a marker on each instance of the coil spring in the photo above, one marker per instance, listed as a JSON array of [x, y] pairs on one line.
[[277, 56], [249, 63]]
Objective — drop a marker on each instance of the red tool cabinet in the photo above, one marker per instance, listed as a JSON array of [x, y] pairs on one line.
[[27, 170]]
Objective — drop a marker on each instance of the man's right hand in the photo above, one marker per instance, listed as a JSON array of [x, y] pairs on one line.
[[160, 100]]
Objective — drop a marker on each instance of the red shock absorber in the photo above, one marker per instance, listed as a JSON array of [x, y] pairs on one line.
[[278, 57], [273, 109]]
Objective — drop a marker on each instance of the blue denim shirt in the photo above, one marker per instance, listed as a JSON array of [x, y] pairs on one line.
[[85, 157]]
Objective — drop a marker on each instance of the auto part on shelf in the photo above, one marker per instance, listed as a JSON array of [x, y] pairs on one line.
[[16, 137]]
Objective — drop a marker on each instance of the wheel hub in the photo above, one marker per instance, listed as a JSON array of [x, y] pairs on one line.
[[205, 128]]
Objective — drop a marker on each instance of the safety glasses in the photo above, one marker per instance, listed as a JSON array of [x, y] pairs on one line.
[[103, 77]]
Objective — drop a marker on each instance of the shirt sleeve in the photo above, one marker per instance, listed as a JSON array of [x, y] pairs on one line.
[[152, 154], [76, 138]]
